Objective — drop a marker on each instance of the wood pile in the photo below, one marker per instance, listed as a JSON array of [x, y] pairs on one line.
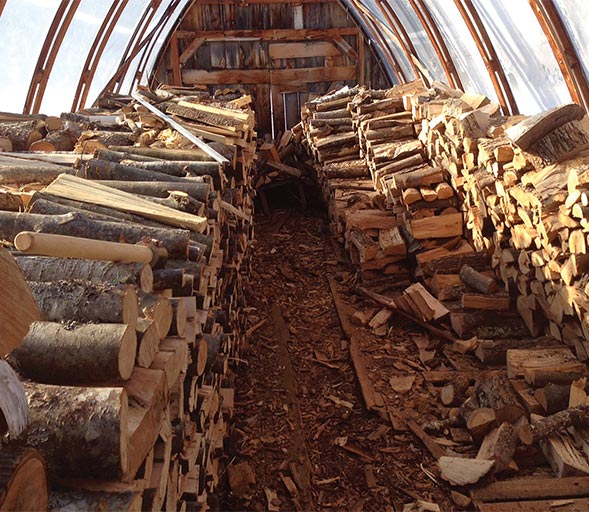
[[137, 258]]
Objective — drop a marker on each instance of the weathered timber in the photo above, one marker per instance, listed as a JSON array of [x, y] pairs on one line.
[[87, 354], [86, 301], [45, 269]]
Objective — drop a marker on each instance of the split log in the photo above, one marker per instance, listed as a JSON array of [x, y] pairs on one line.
[[494, 352], [81, 432], [18, 308], [175, 241], [159, 309], [23, 483], [45, 244], [499, 446], [86, 301], [60, 140], [62, 501], [148, 340], [480, 422], [14, 409], [477, 281], [45, 269], [87, 354], [553, 397]]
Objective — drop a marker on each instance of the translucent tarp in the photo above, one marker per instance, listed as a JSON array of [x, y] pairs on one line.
[[524, 53], [576, 18], [23, 27]]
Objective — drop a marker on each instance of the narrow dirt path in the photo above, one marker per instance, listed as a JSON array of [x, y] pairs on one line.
[[298, 406]]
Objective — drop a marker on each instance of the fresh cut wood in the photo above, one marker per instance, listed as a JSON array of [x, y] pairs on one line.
[[81, 431], [18, 308], [79, 189], [23, 482], [83, 354], [14, 409]]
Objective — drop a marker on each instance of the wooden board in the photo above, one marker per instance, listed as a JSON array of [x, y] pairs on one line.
[[302, 50], [18, 309]]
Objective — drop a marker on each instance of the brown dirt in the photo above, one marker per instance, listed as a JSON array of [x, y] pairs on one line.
[[314, 414]]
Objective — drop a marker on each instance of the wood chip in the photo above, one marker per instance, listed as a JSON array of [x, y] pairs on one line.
[[402, 383]]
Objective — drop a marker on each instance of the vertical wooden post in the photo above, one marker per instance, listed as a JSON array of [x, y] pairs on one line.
[[175, 62]]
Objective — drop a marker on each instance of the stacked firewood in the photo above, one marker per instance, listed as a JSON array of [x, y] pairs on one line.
[[137, 259], [327, 126]]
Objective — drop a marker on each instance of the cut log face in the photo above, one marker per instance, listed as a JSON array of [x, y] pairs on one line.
[[83, 433], [81, 355], [14, 409], [18, 308], [23, 483]]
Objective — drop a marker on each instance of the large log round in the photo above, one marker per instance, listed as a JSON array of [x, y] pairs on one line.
[[85, 354], [81, 432], [23, 483]]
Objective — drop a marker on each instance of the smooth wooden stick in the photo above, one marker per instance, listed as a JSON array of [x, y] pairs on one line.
[[63, 246]]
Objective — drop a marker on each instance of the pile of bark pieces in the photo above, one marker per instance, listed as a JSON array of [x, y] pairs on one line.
[[23, 480], [137, 257], [524, 193]]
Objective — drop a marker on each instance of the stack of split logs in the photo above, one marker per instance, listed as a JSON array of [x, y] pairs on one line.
[[136, 254]]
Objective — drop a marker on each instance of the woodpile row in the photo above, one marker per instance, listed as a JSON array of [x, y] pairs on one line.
[[135, 249], [490, 213]]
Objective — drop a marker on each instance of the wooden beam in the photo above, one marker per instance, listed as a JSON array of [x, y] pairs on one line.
[[191, 49], [175, 62], [564, 50], [302, 50], [489, 55], [279, 76], [270, 34]]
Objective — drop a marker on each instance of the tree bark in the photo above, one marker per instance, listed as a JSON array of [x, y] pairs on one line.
[[495, 392], [87, 354], [477, 281], [81, 432], [197, 190], [22, 133], [61, 501], [23, 483], [119, 156], [167, 278], [15, 171], [194, 155], [61, 140], [104, 170], [175, 241], [100, 302], [45, 269], [545, 427]]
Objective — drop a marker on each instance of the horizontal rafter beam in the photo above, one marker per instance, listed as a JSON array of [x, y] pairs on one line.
[[288, 34]]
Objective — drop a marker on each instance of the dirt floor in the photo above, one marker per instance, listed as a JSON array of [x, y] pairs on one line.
[[301, 437]]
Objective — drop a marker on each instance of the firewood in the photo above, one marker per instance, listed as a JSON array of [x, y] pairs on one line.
[[461, 471], [562, 455], [96, 169], [86, 354], [497, 302], [23, 483], [175, 241], [92, 421], [18, 308], [148, 340], [83, 190], [22, 133], [499, 446], [545, 427], [453, 393], [45, 269], [539, 366], [13, 402], [480, 422], [86, 302], [495, 392], [61, 140], [553, 397], [159, 309], [477, 281], [495, 351]]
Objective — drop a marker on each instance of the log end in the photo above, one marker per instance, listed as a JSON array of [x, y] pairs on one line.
[[127, 353], [130, 306]]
